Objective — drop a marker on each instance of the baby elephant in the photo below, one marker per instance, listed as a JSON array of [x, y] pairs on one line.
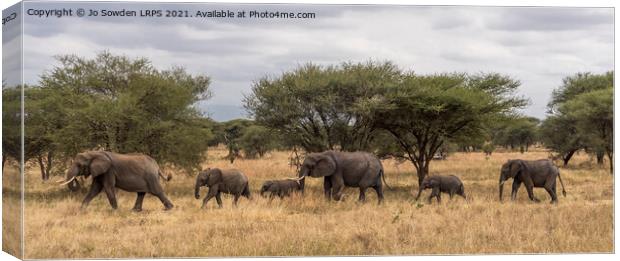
[[446, 184], [220, 181], [280, 187]]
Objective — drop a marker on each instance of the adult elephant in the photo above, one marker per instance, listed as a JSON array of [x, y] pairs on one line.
[[130, 172], [340, 169], [533, 174]]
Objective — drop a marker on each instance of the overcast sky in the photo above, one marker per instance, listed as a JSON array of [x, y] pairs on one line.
[[538, 46]]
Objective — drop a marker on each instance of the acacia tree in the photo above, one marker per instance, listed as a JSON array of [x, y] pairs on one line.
[[11, 122], [125, 105], [257, 140], [559, 133], [593, 112], [563, 131], [321, 108], [515, 132], [425, 111]]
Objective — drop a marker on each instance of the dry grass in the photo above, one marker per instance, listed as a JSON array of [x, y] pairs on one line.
[[308, 225]]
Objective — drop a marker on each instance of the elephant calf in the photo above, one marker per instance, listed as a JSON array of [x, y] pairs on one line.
[[220, 181], [447, 184], [281, 188]]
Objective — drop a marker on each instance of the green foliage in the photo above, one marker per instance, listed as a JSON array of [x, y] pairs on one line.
[[231, 132], [581, 116], [559, 133], [123, 105], [425, 111], [257, 140], [516, 132], [594, 119], [577, 84], [11, 122], [488, 148], [321, 108]]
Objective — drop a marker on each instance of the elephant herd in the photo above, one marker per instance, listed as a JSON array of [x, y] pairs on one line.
[[140, 173]]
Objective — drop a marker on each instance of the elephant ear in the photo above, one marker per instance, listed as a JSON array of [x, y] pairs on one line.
[[325, 166], [433, 183], [214, 176], [99, 163], [516, 166]]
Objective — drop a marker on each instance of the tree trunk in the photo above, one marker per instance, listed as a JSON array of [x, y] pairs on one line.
[[567, 157], [422, 170], [600, 157], [50, 160], [41, 166], [3, 161]]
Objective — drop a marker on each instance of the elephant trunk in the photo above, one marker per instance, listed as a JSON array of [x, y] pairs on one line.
[[302, 178], [197, 189], [72, 173]]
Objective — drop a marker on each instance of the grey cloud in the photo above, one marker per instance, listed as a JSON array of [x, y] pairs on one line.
[[429, 39], [550, 18]]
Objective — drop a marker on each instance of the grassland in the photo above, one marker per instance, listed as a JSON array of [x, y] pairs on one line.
[[308, 225]]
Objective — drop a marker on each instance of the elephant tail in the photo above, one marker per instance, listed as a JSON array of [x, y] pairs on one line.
[[383, 177], [161, 174], [561, 183]]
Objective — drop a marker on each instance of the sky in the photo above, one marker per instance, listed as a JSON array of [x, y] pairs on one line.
[[539, 46]]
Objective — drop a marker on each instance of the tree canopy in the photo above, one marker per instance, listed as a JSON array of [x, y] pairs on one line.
[[322, 107], [120, 104], [581, 117]]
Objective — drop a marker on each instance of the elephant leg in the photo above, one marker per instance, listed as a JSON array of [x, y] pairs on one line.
[[209, 196], [451, 194], [529, 186], [164, 200], [109, 191], [437, 194], [515, 188], [158, 191], [550, 188], [362, 197], [218, 198], [379, 189], [337, 189], [235, 199], [138, 206], [327, 187], [95, 189]]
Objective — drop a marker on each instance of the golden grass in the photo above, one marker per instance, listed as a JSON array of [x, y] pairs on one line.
[[308, 225]]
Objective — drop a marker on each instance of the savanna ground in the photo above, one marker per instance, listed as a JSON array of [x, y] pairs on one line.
[[307, 225]]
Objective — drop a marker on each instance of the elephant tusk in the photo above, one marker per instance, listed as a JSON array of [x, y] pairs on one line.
[[67, 182], [502, 182], [297, 179]]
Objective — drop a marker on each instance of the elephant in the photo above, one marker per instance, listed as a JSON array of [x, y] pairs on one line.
[[130, 172], [339, 169], [447, 184], [281, 188], [229, 181], [534, 174]]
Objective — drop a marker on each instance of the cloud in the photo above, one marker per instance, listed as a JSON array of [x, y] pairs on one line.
[[551, 18], [538, 46]]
